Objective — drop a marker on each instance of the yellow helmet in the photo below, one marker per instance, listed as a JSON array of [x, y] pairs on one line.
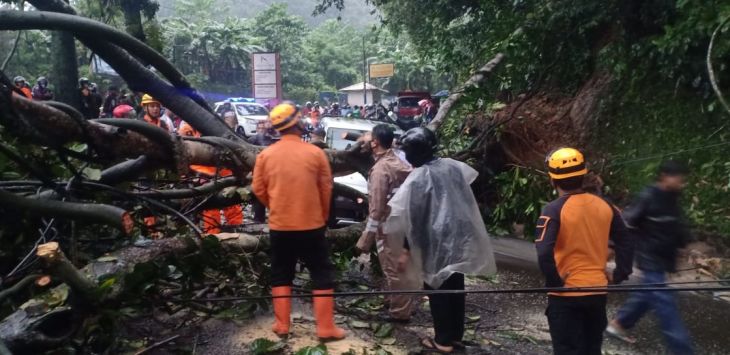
[[284, 115], [565, 163], [147, 99]]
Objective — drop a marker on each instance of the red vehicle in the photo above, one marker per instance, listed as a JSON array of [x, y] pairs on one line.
[[407, 103]]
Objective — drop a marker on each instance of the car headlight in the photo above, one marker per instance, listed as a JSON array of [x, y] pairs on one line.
[[251, 121]]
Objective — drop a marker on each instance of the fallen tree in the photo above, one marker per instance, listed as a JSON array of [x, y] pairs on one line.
[[126, 150]]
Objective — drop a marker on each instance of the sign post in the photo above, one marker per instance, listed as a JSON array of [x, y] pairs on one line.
[[266, 76], [381, 70]]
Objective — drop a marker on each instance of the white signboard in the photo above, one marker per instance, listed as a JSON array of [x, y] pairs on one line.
[[265, 91], [264, 61], [264, 76]]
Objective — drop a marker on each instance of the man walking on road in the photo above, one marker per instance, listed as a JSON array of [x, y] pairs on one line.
[[386, 176], [572, 249], [658, 222], [294, 180]]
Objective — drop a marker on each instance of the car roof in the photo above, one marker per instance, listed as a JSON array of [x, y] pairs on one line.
[[354, 124], [237, 103]]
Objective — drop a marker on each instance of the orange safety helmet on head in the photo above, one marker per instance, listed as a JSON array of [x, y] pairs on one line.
[[284, 115], [148, 99], [565, 163]]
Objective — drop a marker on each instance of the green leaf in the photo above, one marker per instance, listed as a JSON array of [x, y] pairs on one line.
[[383, 330], [92, 174], [262, 346], [312, 350], [388, 341], [359, 324]]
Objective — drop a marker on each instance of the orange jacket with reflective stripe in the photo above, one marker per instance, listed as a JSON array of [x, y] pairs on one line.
[[572, 242], [294, 180]]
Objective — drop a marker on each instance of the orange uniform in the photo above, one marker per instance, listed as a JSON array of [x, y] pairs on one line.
[[294, 180], [572, 242], [212, 217]]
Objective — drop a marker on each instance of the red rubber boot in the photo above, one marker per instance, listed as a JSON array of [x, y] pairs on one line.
[[324, 313], [282, 310]]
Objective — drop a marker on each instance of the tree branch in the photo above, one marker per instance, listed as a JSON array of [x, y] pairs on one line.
[[56, 262], [89, 212], [710, 71], [476, 79]]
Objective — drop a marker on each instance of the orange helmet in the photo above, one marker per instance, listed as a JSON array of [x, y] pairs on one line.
[[284, 115]]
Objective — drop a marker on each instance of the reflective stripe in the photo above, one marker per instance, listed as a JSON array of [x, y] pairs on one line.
[[380, 244]]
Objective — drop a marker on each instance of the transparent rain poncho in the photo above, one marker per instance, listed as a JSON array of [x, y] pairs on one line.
[[436, 211]]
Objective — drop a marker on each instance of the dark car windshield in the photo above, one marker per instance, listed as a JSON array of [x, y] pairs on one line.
[[249, 109], [408, 101]]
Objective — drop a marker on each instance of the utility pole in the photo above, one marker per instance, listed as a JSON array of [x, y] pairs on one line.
[[364, 74]]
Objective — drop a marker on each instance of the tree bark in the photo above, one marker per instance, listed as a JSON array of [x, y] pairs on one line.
[[133, 19], [89, 212], [64, 69]]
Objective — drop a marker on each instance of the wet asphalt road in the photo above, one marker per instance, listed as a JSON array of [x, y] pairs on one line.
[[707, 319]]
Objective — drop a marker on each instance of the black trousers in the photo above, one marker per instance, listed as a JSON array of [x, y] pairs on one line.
[[311, 248], [448, 311], [259, 210], [577, 324]]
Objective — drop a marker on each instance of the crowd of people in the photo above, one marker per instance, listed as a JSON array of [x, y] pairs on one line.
[[426, 226]]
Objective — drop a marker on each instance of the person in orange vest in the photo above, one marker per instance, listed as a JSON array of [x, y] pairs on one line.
[[212, 218], [572, 241], [153, 111], [294, 180], [21, 84]]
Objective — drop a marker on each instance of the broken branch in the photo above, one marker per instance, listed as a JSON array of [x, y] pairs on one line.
[[476, 79]]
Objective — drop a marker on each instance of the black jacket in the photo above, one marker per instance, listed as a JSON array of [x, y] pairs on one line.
[[90, 105], [659, 227]]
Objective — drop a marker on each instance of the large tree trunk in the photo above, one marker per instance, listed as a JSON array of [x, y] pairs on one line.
[[133, 19], [64, 69]]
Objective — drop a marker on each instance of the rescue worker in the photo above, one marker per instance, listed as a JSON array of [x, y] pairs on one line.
[[384, 179], [212, 218], [436, 211], [41, 91], [294, 180], [90, 101], [22, 85], [658, 221], [572, 238], [152, 111]]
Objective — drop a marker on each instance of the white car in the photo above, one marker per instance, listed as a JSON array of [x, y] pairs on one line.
[[335, 130], [248, 113]]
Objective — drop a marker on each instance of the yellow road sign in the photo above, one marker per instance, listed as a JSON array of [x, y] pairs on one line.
[[381, 70]]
